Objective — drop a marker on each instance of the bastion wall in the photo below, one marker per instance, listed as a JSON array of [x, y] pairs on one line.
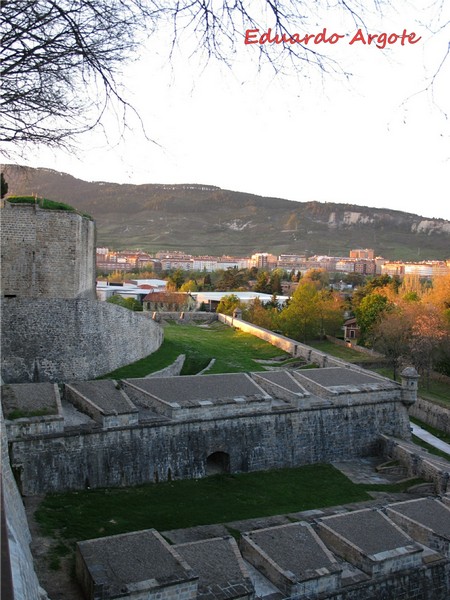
[[25, 584], [179, 450], [65, 340], [46, 253], [432, 414]]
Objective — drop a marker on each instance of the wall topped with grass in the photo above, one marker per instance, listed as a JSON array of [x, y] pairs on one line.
[[48, 250], [45, 204]]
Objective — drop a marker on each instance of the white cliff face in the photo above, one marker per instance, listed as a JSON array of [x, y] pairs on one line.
[[348, 218], [351, 218], [238, 225], [355, 218], [429, 226]]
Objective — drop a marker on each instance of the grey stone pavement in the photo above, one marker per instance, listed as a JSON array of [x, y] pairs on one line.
[[430, 439]]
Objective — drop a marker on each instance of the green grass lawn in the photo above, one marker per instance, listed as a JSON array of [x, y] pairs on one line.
[[217, 499], [347, 354], [233, 351]]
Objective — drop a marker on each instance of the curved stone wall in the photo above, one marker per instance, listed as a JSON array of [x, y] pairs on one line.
[[66, 340], [46, 253]]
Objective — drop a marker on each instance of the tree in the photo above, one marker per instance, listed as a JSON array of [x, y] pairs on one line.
[[330, 310], [369, 312], [300, 319], [228, 304], [60, 61], [231, 279], [259, 315], [263, 283], [428, 333], [320, 277], [439, 296], [207, 282], [392, 337], [4, 186], [275, 282], [130, 303], [189, 286], [175, 280]]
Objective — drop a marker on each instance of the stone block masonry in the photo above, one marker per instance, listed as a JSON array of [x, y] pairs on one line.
[[163, 450], [432, 414], [46, 253], [55, 340], [25, 584]]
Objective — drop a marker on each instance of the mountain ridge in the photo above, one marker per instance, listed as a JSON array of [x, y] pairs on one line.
[[205, 219]]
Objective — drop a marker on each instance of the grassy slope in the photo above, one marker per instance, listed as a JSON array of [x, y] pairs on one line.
[[232, 350]]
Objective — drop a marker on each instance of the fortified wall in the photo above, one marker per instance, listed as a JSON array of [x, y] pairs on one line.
[[107, 433], [46, 253], [53, 328], [62, 340]]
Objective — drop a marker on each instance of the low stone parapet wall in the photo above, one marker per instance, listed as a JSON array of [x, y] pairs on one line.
[[183, 317], [432, 414], [289, 345], [293, 347], [419, 463]]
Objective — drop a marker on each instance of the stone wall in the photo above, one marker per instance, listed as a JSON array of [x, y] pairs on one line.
[[187, 316], [431, 582], [46, 253], [66, 340], [159, 452], [24, 580], [419, 463], [431, 414], [287, 344]]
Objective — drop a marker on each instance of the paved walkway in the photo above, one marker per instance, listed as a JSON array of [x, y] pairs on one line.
[[430, 439]]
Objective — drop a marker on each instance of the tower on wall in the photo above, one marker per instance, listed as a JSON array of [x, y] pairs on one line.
[[46, 253], [53, 328]]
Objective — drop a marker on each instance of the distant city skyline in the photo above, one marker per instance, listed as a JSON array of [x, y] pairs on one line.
[[379, 139]]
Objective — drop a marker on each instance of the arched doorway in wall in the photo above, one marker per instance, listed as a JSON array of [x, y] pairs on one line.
[[218, 462]]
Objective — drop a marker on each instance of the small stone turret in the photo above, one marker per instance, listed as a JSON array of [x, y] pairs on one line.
[[410, 380]]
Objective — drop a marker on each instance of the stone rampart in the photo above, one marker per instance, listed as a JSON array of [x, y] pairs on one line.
[[431, 414], [46, 253], [25, 585], [287, 344], [188, 316], [426, 582], [66, 340], [168, 450], [418, 463]]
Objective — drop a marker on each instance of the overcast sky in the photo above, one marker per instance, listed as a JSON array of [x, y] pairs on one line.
[[379, 139]]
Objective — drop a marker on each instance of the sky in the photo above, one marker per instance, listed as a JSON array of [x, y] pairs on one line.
[[379, 138]]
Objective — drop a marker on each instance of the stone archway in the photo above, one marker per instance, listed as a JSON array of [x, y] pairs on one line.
[[218, 462]]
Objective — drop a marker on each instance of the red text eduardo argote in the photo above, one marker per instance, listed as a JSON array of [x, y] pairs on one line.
[[380, 40]]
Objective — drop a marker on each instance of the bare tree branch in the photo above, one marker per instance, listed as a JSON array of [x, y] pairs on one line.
[[61, 59]]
